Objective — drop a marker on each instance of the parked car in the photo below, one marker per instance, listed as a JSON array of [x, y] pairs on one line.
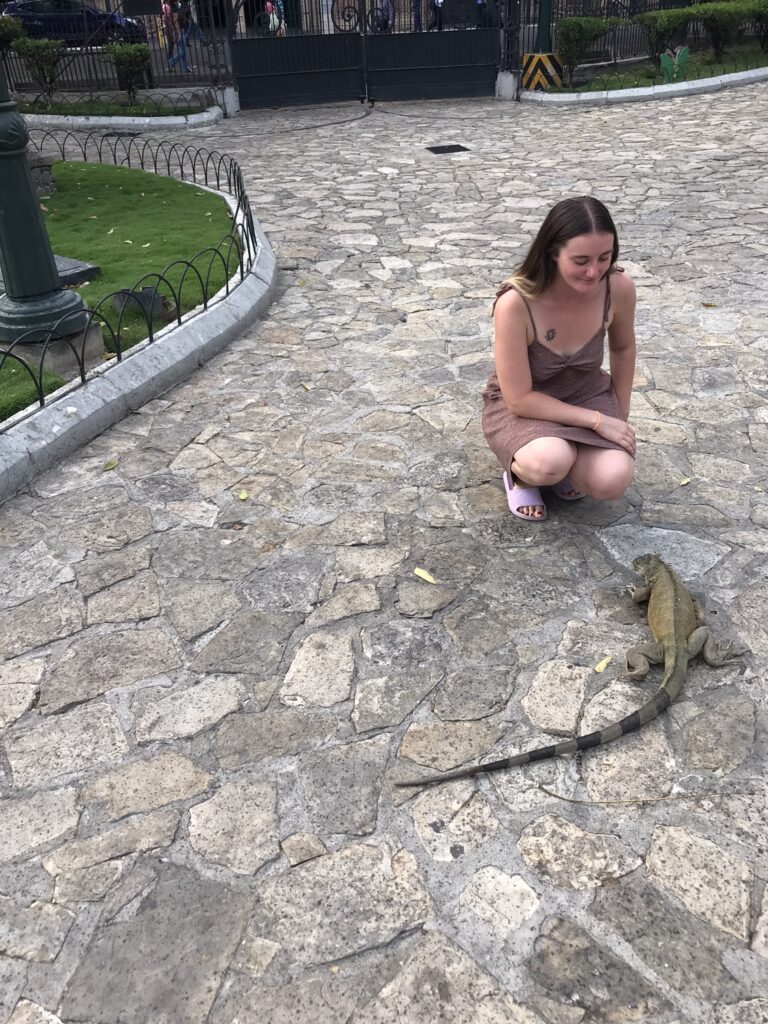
[[74, 22]]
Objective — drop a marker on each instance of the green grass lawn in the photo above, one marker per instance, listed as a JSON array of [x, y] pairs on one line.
[[701, 64], [129, 223]]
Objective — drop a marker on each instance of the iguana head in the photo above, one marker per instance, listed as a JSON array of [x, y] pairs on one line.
[[647, 566]]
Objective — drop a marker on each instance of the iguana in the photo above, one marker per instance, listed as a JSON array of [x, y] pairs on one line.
[[675, 619]]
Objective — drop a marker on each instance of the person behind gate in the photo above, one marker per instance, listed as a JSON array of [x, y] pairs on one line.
[[551, 415]]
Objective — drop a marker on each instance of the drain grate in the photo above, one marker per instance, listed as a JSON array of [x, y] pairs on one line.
[[453, 148]]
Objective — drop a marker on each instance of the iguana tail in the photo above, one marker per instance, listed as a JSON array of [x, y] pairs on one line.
[[652, 709]]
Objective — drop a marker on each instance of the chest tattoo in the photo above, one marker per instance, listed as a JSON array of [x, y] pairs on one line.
[[550, 334]]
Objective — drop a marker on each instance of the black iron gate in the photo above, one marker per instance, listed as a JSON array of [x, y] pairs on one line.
[[322, 51]]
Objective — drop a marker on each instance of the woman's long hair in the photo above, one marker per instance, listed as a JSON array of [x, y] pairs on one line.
[[583, 215]]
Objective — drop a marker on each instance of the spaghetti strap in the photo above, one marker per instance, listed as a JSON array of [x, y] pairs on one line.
[[530, 314], [607, 305]]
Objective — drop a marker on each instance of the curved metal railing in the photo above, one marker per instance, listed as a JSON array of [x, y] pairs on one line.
[[157, 298]]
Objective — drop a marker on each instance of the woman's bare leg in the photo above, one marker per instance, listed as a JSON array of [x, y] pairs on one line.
[[541, 463], [602, 473]]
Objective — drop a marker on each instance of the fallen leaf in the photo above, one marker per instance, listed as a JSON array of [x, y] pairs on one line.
[[243, 495], [43, 208], [111, 464], [601, 666], [685, 480], [146, 245], [128, 241], [335, 969], [111, 230], [757, 487], [90, 198], [307, 387], [709, 305], [424, 575], [93, 217]]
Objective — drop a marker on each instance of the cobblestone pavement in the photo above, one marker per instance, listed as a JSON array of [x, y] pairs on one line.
[[219, 658]]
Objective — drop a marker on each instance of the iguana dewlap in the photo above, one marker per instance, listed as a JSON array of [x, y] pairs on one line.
[[675, 621]]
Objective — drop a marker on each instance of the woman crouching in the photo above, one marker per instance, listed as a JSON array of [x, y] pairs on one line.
[[551, 415]]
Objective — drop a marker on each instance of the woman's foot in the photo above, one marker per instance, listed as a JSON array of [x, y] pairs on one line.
[[524, 500], [566, 491]]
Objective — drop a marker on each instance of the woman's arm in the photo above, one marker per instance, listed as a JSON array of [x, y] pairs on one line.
[[512, 331], [621, 339]]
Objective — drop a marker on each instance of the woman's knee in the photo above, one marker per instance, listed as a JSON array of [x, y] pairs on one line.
[[545, 465], [607, 481]]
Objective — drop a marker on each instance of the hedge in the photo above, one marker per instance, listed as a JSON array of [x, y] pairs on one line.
[[721, 21]]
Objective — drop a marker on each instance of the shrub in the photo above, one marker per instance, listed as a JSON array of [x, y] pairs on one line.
[[660, 27], [721, 22], [574, 38], [42, 58], [11, 29], [131, 63], [759, 15]]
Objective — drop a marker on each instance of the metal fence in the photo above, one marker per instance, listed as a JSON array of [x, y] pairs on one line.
[[623, 42], [282, 18], [181, 53], [160, 296]]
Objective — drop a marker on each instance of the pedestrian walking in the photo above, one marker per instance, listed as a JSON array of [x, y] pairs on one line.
[[169, 27], [436, 12], [551, 415], [417, 15]]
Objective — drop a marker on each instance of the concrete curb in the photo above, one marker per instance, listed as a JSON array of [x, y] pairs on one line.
[[36, 442], [651, 92], [205, 119]]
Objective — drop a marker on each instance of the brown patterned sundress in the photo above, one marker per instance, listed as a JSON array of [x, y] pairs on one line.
[[577, 379]]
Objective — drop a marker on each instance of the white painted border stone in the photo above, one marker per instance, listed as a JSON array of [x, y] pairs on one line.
[[35, 442], [205, 119], [651, 92]]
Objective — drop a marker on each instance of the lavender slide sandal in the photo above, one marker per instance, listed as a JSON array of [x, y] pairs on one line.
[[566, 491], [520, 496]]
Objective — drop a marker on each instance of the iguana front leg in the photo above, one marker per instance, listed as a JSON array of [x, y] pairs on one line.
[[715, 653], [642, 656], [640, 593]]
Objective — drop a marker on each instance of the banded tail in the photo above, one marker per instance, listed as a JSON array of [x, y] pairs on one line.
[[652, 709]]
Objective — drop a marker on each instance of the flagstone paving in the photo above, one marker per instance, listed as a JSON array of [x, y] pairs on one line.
[[219, 659]]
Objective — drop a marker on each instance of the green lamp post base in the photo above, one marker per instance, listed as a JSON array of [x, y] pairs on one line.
[[60, 312]]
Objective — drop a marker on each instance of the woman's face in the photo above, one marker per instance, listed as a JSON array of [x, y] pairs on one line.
[[584, 260]]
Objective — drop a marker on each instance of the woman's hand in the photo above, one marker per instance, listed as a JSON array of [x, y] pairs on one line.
[[618, 431]]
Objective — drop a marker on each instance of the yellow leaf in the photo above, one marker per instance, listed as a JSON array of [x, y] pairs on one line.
[[243, 495], [93, 217], [709, 305], [43, 208], [307, 387], [111, 464], [601, 666], [111, 230], [757, 487], [146, 245], [686, 480], [128, 241], [335, 969], [424, 575]]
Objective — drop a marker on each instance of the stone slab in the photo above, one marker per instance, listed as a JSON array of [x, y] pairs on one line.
[[137, 971], [66, 744], [341, 904]]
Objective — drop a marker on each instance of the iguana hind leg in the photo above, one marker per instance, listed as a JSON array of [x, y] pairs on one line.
[[715, 652], [641, 657]]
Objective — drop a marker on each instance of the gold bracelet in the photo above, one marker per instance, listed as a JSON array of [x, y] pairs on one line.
[[596, 425]]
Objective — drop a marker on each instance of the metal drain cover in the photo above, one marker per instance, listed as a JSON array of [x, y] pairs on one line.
[[453, 148]]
